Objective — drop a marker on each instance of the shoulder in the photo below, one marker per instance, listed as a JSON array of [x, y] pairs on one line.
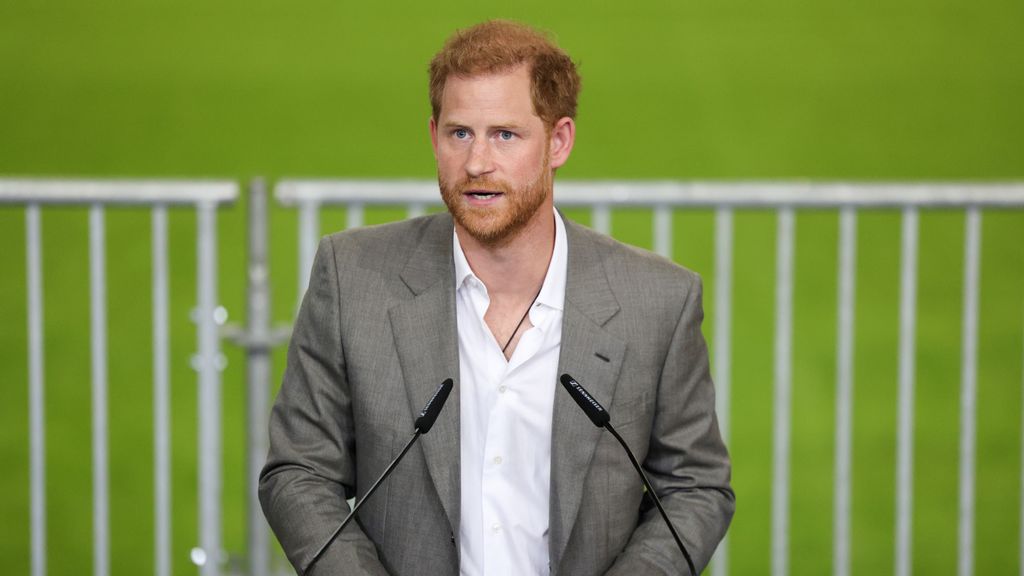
[[404, 232], [389, 245], [627, 267]]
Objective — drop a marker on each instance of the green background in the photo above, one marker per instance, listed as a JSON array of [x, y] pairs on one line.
[[728, 90]]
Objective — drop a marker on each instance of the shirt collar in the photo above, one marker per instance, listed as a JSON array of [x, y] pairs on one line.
[[552, 292], [462, 270]]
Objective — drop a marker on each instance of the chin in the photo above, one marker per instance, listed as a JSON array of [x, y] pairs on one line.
[[490, 233]]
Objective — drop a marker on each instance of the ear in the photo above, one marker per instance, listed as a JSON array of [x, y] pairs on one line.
[[433, 135], [563, 137]]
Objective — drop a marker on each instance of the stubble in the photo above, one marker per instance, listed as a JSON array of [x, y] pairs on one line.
[[498, 225]]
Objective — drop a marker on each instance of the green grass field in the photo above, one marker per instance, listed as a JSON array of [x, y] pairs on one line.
[[910, 90]]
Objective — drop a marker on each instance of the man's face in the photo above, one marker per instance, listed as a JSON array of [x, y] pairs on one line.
[[493, 155]]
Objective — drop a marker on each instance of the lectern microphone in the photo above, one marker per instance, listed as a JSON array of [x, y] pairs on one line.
[[600, 417], [423, 424]]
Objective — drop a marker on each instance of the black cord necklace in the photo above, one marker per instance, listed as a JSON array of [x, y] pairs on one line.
[[523, 319]]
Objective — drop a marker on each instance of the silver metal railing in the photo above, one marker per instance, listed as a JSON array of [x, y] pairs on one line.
[[204, 197], [258, 337], [784, 198]]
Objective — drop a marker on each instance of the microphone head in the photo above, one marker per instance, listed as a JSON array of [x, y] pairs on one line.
[[593, 409], [430, 412]]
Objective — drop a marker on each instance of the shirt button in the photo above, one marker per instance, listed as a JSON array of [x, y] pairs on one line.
[[496, 528], [497, 459], [502, 388]]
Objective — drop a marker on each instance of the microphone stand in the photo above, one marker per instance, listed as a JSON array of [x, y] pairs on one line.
[[654, 496], [423, 424], [352, 514], [600, 417]]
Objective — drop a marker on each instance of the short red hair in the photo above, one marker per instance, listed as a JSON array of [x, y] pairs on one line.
[[499, 46]]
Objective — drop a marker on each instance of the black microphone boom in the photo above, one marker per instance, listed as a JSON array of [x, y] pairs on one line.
[[423, 424], [600, 417]]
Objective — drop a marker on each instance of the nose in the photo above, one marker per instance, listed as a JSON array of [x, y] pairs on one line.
[[480, 160]]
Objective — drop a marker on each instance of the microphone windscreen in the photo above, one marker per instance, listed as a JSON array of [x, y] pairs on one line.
[[433, 407], [597, 414]]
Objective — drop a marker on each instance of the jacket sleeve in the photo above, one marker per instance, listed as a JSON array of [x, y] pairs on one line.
[[687, 462], [310, 469]]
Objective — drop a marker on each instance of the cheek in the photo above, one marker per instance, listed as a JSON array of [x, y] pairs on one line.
[[527, 163], [447, 161]]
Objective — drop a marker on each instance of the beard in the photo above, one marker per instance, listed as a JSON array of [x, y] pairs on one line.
[[497, 225]]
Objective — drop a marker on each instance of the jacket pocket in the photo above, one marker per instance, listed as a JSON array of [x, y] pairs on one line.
[[630, 410]]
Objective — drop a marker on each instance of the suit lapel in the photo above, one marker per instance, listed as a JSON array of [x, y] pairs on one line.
[[593, 357], [427, 345]]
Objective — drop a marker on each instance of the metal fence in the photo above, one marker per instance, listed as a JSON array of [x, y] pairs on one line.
[[309, 196], [204, 197], [785, 198]]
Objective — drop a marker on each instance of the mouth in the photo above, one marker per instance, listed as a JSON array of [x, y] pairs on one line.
[[482, 195]]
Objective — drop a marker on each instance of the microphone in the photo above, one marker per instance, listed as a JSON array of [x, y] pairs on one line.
[[423, 424], [600, 417], [433, 408], [591, 407]]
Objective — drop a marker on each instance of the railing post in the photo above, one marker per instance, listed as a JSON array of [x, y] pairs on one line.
[[1020, 545], [356, 215], [601, 218], [844, 392], [100, 444], [258, 370], [783, 390], [723, 348], [209, 363], [36, 402], [309, 231], [161, 395], [663, 230], [905, 423], [969, 389]]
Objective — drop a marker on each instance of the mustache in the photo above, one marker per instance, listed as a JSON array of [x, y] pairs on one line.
[[469, 184]]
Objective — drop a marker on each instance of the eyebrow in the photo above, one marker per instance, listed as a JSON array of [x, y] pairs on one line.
[[499, 126]]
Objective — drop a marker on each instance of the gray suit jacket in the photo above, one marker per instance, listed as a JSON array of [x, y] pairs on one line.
[[376, 334]]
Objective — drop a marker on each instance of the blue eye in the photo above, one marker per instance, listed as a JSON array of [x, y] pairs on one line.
[[505, 135], [461, 133]]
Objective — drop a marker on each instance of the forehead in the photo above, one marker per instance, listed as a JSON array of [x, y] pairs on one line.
[[504, 93]]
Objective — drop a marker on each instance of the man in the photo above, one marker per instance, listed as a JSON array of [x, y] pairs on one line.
[[503, 295]]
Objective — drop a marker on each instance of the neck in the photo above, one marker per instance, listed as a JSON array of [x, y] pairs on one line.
[[517, 267]]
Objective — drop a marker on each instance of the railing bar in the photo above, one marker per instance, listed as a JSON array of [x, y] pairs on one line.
[[752, 194], [723, 348], [36, 400], [309, 231], [210, 462], [355, 215], [783, 391], [969, 390], [663, 230], [161, 393], [601, 218], [100, 444], [905, 426], [114, 192], [844, 392]]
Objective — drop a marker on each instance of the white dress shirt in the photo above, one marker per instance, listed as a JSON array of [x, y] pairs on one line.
[[505, 430]]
